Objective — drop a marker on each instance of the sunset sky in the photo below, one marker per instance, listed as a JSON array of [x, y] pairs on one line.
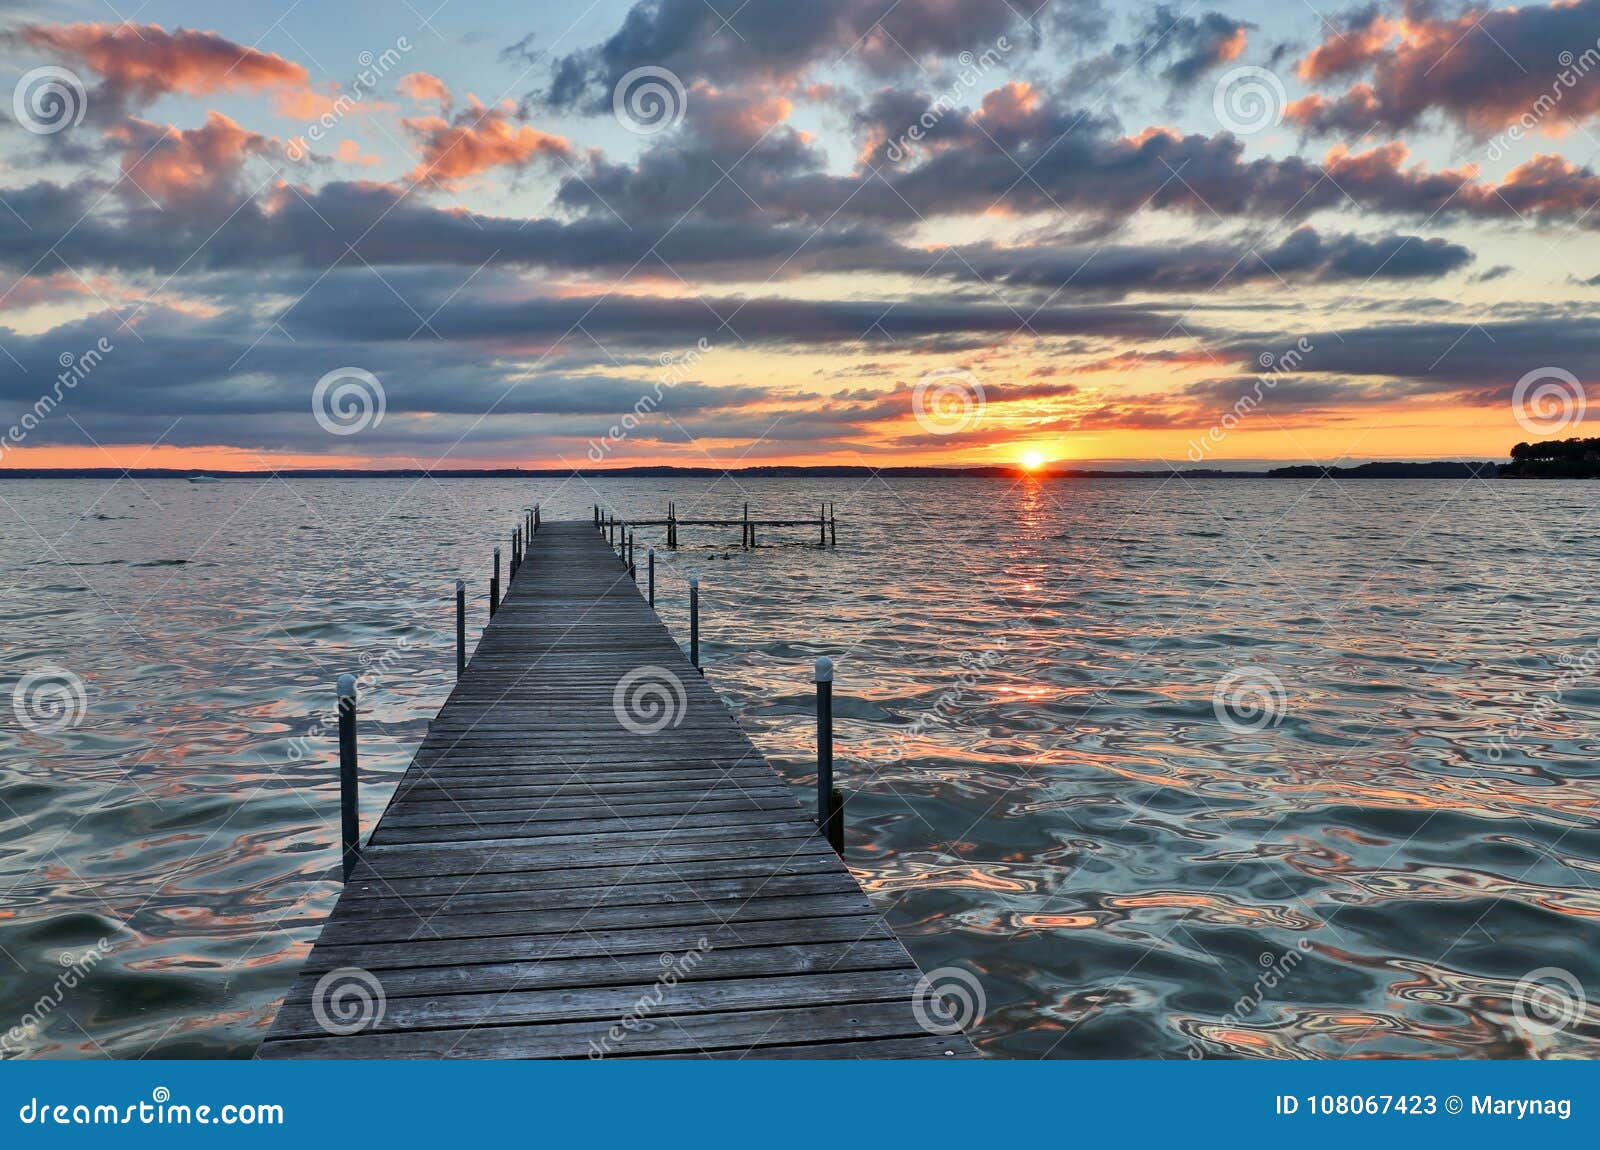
[[830, 231]]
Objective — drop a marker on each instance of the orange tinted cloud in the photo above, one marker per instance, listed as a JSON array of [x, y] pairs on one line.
[[1348, 51], [424, 86], [147, 61], [478, 139], [170, 164]]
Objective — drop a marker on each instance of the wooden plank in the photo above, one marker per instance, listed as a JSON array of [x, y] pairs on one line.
[[554, 862]]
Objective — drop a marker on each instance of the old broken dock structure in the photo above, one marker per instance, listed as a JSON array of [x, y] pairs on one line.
[[588, 857]]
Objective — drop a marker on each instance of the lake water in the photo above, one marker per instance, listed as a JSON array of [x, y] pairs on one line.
[[1232, 768]]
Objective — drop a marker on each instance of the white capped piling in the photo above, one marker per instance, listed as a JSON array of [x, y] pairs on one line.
[[461, 626], [494, 585], [349, 808], [633, 572]]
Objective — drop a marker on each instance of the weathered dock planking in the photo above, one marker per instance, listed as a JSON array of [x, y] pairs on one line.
[[550, 882]]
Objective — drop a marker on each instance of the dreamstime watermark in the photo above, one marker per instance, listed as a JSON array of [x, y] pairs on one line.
[[74, 370], [947, 401], [1547, 1000], [348, 400], [1249, 699], [49, 699], [677, 967], [160, 1110], [1274, 365], [348, 1000], [374, 668], [648, 100], [373, 69], [950, 700], [948, 1000], [28, 1027], [49, 99], [648, 700], [1248, 100], [1548, 400], [973, 69], [1275, 969], [1576, 669], [675, 369], [1573, 69]]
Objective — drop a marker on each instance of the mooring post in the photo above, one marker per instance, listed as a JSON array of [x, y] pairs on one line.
[[516, 552], [349, 811], [835, 832], [494, 585], [833, 528], [633, 572], [536, 517], [672, 524], [611, 530], [461, 626], [744, 540], [694, 621], [825, 790], [652, 562], [822, 525], [597, 515]]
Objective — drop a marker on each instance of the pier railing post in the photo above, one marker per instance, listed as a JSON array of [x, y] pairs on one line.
[[633, 572], [536, 518], [494, 585], [694, 621], [461, 626], [744, 540], [651, 557], [597, 515], [349, 808], [825, 788]]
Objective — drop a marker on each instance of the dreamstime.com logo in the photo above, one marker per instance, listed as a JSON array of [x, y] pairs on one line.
[[49, 99], [159, 1110], [1249, 699], [1547, 1000], [49, 699], [948, 1000], [648, 100], [947, 401], [348, 400], [649, 699], [1548, 400], [348, 1000], [1248, 100]]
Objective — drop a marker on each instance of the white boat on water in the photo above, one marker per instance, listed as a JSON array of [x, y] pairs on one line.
[[204, 479]]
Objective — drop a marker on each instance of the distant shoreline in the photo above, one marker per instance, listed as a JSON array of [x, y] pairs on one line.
[[1379, 470]]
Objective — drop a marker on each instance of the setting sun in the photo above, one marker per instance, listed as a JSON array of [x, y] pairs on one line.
[[1032, 460]]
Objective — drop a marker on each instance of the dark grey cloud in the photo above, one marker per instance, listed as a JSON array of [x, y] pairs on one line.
[[731, 41]]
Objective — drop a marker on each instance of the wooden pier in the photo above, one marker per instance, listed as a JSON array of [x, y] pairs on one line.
[[588, 858], [826, 523]]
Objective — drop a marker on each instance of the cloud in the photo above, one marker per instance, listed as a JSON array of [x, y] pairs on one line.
[[139, 63], [476, 140], [198, 167], [1482, 69], [725, 41]]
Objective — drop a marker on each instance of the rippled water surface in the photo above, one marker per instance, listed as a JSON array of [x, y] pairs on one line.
[[1394, 828]]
